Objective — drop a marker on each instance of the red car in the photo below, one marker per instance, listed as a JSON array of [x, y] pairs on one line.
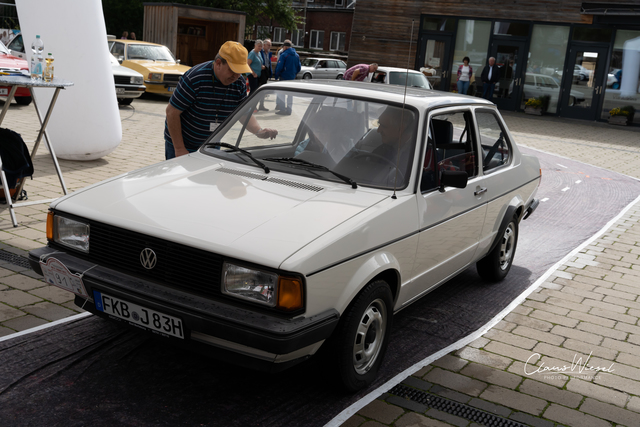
[[13, 64]]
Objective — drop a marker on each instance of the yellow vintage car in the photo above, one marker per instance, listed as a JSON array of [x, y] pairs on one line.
[[161, 70]]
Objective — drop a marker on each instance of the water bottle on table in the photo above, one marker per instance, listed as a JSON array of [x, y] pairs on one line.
[[37, 61]]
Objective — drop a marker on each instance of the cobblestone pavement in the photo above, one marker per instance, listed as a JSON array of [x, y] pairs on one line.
[[590, 305]]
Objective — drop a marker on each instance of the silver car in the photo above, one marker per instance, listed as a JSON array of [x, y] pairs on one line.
[[321, 68], [129, 83]]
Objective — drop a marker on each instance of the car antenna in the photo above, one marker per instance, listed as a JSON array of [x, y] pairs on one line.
[[404, 100]]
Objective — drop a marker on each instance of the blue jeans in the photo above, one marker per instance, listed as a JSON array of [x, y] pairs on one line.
[[169, 151], [280, 102], [487, 90], [463, 87]]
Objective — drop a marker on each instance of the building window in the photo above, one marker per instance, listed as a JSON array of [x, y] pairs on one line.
[[339, 3], [317, 38], [262, 32], [297, 38], [430, 23], [623, 78], [337, 41], [279, 35]]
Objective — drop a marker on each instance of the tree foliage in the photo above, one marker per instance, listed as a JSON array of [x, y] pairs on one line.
[[128, 15]]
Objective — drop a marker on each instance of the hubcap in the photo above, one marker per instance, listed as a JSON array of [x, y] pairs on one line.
[[369, 336], [506, 246]]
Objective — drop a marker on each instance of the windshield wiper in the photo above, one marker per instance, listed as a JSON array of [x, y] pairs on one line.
[[240, 150], [295, 161]]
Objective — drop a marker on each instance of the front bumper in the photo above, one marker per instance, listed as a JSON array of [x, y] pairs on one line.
[[130, 91], [161, 88], [222, 329]]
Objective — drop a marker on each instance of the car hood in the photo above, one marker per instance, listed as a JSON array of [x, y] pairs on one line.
[[10, 61], [119, 70], [157, 66], [222, 207]]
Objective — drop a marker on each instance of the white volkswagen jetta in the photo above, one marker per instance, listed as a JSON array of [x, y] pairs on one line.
[[265, 250]]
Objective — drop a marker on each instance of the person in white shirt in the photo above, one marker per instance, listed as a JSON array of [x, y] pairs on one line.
[[465, 71]]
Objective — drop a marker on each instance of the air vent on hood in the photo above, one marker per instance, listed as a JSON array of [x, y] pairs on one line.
[[279, 181]]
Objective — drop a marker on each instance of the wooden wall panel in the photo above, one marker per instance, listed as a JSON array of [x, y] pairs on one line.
[[381, 28]]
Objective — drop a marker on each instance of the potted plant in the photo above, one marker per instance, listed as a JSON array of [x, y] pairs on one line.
[[622, 115], [534, 106]]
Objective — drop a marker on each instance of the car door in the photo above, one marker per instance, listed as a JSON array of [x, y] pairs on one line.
[[321, 70], [451, 220]]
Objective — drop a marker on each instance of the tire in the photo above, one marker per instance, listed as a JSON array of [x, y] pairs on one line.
[[125, 101], [495, 266], [362, 336], [23, 100], [340, 77], [307, 76]]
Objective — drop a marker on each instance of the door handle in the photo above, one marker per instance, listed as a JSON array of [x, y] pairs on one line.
[[479, 191]]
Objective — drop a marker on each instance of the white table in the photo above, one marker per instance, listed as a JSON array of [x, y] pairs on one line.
[[22, 81]]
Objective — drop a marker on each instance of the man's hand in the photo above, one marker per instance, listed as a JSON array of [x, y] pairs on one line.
[[265, 133], [180, 151]]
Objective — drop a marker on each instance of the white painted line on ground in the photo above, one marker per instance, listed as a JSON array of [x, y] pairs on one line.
[[45, 326], [578, 181], [562, 166], [545, 199], [565, 189], [353, 409]]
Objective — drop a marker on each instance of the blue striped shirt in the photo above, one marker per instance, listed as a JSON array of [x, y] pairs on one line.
[[202, 102]]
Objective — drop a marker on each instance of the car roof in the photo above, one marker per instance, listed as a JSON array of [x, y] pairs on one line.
[[127, 41], [417, 97], [396, 69]]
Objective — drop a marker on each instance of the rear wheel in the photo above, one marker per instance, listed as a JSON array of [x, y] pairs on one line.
[[363, 335], [340, 77], [307, 76], [125, 101], [497, 263], [23, 100]]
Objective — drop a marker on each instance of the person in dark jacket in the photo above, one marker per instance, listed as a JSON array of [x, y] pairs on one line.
[[490, 76], [266, 69], [287, 68]]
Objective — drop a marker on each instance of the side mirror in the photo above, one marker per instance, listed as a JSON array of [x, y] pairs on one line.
[[456, 179], [120, 59], [178, 61]]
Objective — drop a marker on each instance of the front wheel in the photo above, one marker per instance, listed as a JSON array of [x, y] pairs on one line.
[[23, 100], [125, 101], [339, 77], [497, 263], [307, 76], [363, 335]]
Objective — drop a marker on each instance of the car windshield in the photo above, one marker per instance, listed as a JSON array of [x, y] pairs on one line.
[[309, 62], [415, 79], [368, 142], [150, 52]]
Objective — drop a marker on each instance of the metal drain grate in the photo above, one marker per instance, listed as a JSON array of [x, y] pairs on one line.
[[453, 408], [14, 259]]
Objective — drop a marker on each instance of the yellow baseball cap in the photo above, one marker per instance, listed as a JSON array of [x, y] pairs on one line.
[[236, 56]]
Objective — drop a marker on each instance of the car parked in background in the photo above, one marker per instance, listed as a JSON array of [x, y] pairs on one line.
[[16, 46], [321, 68], [398, 76], [129, 83], [537, 85], [369, 197], [161, 70], [13, 65]]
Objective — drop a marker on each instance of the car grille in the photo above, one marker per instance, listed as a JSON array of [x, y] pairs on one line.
[[172, 78], [178, 266], [122, 80]]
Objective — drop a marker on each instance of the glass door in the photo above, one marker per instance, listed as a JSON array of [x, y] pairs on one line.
[[583, 82], [511, 61], [434, 60]]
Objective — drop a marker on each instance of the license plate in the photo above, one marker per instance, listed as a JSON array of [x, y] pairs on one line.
[[137, 315], [4, 91], [120, 90], [57, 274], [171, 88]]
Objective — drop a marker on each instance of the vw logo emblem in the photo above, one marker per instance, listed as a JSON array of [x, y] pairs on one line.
[[148, 258]]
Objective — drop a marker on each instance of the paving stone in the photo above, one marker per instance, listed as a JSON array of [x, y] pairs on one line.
[[421, 373], [617, 294], [503, 325], [586, 348], [599, 329], [381, 411], [509, 338], [622, 302], [491, 375], [610, 412], [484, 358], [539, 335], [550, 393], [556, 379], [23, 322], [354, 421], [573, 418], [492, 408], [53, 294], [455, 381], [6, 331], [546, 307], [528, 321], [24, 283], [418, 420], [406, 404], [603, 394], [621, 346], [450, 363], [597, 311], [372, 424], [7, 312], [632, 405], [554, 318], [589, 337], [567, 304], [417, 383], [513, 399], [509, 351], [616, 382], [18, 299], [48, 311], [479, 342], [447, 393], [448, 418], [530, 420]]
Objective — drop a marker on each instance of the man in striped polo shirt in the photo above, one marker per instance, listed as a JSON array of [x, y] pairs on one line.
[[206, 95]]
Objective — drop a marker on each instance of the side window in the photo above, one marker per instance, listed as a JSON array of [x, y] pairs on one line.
[[117, 50], [496, 148], [450, 146]]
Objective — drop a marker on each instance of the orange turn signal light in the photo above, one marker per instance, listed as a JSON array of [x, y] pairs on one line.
[[50, 216], [290, 296]]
